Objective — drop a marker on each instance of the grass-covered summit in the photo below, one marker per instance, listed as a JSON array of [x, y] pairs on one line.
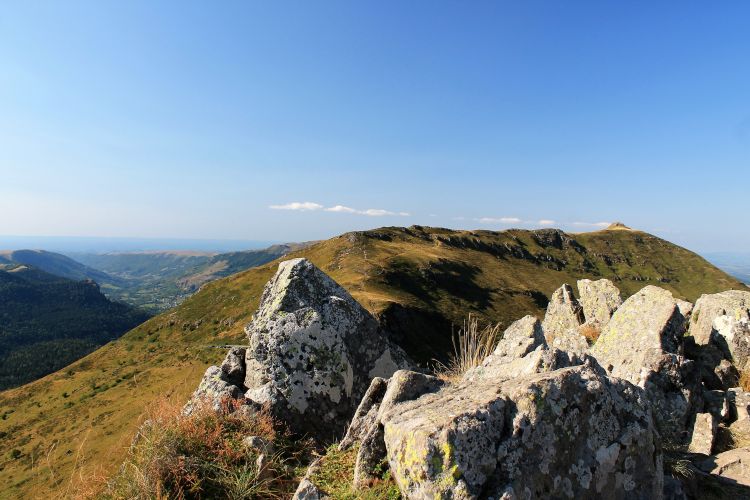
[[419, 281]]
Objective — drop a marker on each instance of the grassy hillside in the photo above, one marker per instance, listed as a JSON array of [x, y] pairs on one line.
[[419, 281], [47, 322]]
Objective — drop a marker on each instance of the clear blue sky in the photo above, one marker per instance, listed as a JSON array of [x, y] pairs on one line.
[[192, 119]]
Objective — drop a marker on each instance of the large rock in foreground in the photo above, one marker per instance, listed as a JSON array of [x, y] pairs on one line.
[[568, 433], [642, 343], [313, 351]]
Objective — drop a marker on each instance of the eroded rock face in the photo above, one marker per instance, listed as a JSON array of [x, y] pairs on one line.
[[642, 344], [733, 303], [599, 300], [313, 351], [367, 427], [563, 313], [567, 433]]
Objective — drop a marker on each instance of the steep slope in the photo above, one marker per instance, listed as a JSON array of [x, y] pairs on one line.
[[419, 281], [47, 322], [57, 264]]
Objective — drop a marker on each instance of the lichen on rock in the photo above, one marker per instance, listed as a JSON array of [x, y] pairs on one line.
[[313, 351]]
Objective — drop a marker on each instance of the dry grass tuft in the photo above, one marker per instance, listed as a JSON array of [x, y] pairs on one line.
[[590, 331], [470, 347], [745, 380], [201, 456]]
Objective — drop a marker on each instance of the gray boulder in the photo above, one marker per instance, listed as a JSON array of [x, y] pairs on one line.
[[233, 367], [313, 351], [571, 341], [732, 303], [367, 427], [563, 313], [599, 300], [732, 336], [567, 433], [215, 390], [642, 344]]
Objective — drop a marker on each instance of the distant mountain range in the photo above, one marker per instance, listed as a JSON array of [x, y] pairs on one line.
[[153, 281], [57, 264]]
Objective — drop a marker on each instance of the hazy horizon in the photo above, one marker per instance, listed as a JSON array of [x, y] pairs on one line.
[[295, 122]]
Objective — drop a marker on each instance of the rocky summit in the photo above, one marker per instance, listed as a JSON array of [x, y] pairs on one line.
[[644, 411]]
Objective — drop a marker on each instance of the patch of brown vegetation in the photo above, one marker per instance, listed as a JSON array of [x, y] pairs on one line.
[[590, 331]]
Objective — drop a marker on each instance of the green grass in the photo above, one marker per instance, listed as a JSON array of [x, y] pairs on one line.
[[422, 282], [335, 474]]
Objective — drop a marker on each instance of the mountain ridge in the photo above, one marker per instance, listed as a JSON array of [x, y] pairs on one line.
[[420, 282]]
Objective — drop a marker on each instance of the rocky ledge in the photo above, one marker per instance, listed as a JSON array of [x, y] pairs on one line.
[[600, 399]]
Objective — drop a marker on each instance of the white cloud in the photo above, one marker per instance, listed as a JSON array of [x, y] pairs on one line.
[[499, 220], [592, 224], [376, 212], [342, 209], [305, 206], [546, 222], [309, 206]]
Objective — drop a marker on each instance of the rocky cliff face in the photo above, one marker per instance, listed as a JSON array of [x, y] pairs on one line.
[[544, 416]]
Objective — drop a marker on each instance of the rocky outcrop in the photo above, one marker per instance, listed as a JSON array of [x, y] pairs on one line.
[[733, 303], [367, 425], [563, 313], [567, 433], [599, 300], [313, 351], [642, 344], [522, 350]]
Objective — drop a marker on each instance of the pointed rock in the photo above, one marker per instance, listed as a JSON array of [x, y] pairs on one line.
[[313, 351], [563, 313], [599, 300]]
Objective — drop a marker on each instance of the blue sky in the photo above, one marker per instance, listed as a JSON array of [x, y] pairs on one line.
[[193, 119]]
